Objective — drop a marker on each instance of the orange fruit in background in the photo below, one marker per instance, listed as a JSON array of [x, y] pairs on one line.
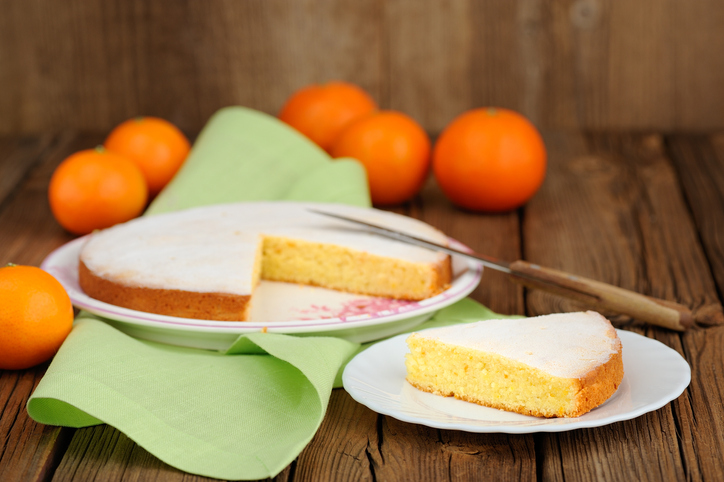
[[36, 316], [321, 112], [95, 189], [395, 151], [489, 159], [157, 146]]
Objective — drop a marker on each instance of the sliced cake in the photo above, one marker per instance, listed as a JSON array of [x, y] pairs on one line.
[[204, 263], [559, 365]]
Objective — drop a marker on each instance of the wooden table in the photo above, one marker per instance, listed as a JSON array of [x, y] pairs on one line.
[[645, 212]]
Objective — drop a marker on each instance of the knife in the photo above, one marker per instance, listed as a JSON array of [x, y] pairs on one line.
[[595, 294]]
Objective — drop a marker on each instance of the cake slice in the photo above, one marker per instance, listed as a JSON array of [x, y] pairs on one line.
[[559, 365]]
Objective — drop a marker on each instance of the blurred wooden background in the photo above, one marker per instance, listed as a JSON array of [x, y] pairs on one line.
[[566, 64]]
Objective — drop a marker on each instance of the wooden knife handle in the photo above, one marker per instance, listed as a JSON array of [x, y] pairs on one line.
[[603, 296]]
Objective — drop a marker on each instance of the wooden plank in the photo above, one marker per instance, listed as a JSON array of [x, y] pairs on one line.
[[30, 451], [104, 453], [346, 446], [674, 261], [695, 38], [416, 452], [420, 39], [699, 161], [18, 156], [596, 216], [622, 63], [13, 60], [587, 63], [678, 267], [29, 231], [496, 69], [257, 53]]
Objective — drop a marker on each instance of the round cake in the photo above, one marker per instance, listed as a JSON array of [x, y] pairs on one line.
[[205, 262]]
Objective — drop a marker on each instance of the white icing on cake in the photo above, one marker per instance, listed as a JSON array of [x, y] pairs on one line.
[[212, 248], [566, 345]]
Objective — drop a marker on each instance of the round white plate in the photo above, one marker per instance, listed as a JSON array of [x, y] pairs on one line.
[[654, 375], [277, 308]]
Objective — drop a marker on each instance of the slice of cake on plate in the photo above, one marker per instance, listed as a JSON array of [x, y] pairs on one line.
[[204, 263], [559, 365]]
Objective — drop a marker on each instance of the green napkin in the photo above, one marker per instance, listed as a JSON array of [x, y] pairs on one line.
[[247, 413], [245, 155]]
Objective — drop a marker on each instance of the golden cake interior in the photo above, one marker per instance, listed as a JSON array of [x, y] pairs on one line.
[[499, 382], [344, 269]]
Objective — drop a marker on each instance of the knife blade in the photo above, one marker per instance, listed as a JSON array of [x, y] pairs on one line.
[[487, 261], [595, 294]]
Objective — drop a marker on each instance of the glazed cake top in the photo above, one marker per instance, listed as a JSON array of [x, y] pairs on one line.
[[566, 345], [212, 248]]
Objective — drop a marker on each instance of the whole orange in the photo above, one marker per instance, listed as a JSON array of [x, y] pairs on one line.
[[321, 112], [95, 189], [157, 146], [489, 159], [35, 316], [395, 151]]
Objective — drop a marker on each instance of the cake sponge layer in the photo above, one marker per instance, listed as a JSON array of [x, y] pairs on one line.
[[337, 267]]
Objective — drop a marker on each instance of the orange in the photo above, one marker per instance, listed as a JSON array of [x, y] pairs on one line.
[[95, 189], [158, 147], [489, 159], [321, 112], [395, 151], [35, 316]]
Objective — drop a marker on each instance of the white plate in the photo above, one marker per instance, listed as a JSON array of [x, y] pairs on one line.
[[278, 308], [654, 375]]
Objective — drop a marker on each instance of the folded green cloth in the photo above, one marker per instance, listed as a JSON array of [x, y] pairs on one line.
[[240, 415]]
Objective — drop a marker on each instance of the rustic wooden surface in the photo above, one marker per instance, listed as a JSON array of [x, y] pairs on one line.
[[591, 64], [645, 212]]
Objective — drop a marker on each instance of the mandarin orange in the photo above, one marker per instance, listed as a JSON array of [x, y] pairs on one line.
[[36, 316], [95, 189], [395, 151], [157, 147], [321, 112], [489, 159]]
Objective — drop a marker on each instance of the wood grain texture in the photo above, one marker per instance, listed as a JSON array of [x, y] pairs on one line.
[[29, 231], [17, 158], [346, 446], [29, 451], [416, 452], [698, 160], [629, 225], [673, 258], [429, 47], [90, 64], [104, 453]]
